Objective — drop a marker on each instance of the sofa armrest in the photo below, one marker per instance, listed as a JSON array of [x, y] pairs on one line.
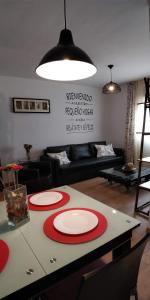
[[44, 157], [44, 167], [26, 174], [119, 152], [54, 161], [55, 166]]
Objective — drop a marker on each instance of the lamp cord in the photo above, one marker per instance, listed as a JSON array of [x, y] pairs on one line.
[[110, 74], [110, 67], [65, 12], [149, 17]]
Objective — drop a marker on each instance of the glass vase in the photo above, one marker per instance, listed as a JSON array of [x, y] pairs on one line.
[[16, 205]]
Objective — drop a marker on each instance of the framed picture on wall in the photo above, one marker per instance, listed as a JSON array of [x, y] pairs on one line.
[[29, 105]]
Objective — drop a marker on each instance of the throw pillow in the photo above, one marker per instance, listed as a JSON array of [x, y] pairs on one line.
[[62, 156], [103, 150]]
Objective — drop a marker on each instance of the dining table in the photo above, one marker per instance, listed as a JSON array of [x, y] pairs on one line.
[[37, 262]]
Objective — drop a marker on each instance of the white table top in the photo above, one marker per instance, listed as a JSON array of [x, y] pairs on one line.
[[31, 248]]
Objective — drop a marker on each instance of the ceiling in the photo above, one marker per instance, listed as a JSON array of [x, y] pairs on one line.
[[109, 31]]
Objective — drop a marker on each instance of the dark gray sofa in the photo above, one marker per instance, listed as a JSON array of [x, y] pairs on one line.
[[84, 162]]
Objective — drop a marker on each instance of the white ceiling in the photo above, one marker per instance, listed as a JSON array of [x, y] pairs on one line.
[[110, 31]]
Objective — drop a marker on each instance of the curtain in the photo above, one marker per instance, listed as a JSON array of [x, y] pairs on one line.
[[139, 111], [134, 119], [130, 123]]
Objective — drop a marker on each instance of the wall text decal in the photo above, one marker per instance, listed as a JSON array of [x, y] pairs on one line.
[[79, 113]]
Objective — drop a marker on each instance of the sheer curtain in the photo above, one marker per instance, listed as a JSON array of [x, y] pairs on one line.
[[139, 110], [134, 119], [130, 123]]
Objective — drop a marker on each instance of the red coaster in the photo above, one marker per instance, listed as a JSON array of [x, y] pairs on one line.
[[4, 254], [53, 234], [65, 199]]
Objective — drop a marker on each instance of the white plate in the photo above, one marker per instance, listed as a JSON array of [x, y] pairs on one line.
[[46, 198], [75, 221]]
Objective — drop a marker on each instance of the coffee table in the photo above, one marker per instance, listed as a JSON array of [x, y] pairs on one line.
[[128, 179]]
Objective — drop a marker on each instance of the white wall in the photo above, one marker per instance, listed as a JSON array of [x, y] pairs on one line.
[[114, 107], [42, 130]]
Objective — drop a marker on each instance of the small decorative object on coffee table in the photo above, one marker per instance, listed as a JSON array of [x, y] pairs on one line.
[[15, 195], [129, 168], [28, 149]]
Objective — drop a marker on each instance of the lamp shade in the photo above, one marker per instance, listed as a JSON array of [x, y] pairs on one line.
[[111, 88], [66, 62]]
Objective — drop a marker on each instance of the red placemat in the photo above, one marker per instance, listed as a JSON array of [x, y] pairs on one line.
[[4, 254], [65, 199], [53, 234]]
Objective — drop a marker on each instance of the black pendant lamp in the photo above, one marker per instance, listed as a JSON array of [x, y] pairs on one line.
[[111, 87], [66, 62]]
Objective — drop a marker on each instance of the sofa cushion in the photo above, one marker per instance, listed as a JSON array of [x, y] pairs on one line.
[[105, 150], [99, 163], [93, 148], [58, 149], [62, 157], [80, 151]]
